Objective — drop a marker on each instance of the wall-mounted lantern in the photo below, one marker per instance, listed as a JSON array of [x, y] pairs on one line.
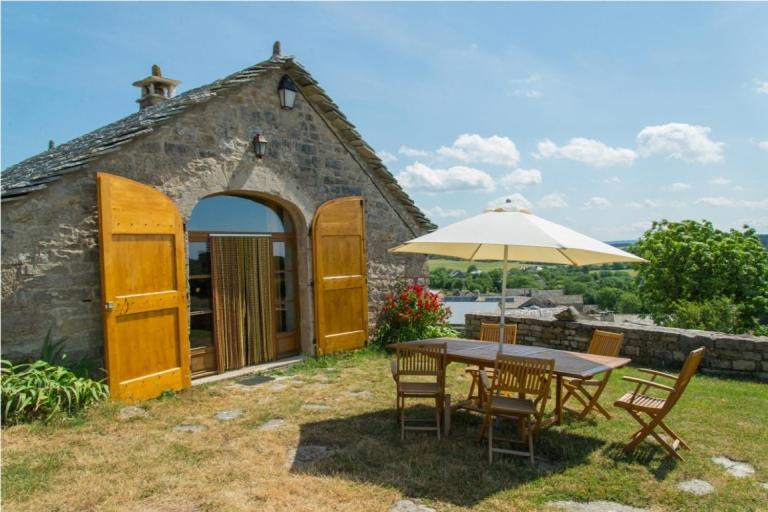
[[259, 145], [287, 92]]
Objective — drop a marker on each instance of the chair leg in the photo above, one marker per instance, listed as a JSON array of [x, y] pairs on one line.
[[402, 421], [530, 442], [490, 442], [673, 435], [437, 416]]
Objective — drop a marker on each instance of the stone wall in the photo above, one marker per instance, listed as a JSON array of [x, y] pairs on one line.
[[658, 347], [50, 256]]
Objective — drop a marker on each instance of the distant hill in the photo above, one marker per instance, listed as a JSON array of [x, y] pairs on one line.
[[623, 244]]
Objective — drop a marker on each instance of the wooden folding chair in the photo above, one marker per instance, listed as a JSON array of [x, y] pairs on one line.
[[528, 381], [420, 361], [603, 343], [489, 333], [640, 405]]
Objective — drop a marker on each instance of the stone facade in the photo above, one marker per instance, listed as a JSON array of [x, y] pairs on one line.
[[50, 254], [730, 354]]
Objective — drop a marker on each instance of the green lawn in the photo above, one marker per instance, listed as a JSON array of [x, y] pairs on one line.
[[98, 462]]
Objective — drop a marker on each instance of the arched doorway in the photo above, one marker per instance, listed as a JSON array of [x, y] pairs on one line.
[[243, 283]]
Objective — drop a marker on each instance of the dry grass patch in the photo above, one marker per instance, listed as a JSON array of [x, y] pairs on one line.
[[98, 462]]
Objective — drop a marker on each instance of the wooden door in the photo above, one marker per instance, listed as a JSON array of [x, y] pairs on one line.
[[143, 288], [341, 284]]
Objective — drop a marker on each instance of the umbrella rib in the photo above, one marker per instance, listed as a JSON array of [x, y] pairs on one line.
[[471, 258], [562, 251]]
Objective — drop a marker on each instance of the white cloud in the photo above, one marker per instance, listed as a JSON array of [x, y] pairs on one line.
[[714, 201], [555, 200], [386, 157], [472, 148], [612, 179], [763, 144], [677, 187], [762, 87], [681, 141], [588, 151], [720, 180], [677, 204], [738, 188], [412, 152], [597, 202], [524, 88], [532, 94], [440, 212], [762, 205], [516, 200], [418, 176], [646, 203], [521, 177]]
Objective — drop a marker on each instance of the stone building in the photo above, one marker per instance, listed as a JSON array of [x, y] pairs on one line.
[[254, 154]]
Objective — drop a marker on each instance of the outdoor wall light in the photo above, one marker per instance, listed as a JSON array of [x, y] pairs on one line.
[[259, 145], [287, 92]]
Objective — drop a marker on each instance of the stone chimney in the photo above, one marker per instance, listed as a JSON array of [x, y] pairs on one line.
[[155, 88]]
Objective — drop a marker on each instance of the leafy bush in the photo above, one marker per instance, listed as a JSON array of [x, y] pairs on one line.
[[693, 262], [40, 390], [53, 349], [412, 313], [719, 314]]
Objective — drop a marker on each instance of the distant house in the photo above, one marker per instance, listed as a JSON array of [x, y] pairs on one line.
[[542, 298], [239, 222]]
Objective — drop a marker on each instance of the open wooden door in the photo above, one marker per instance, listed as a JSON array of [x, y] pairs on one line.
[[341, 284], [143, 288]]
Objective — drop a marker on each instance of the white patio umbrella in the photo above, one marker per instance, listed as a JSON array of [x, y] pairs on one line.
[[506, 234]]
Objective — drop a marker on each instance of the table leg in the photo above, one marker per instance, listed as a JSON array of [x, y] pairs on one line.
[[558, 399]]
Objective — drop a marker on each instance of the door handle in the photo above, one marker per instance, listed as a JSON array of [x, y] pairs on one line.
[[109, 306]]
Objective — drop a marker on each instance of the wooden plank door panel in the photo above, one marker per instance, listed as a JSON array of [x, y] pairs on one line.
[[341, 285], [143, 290]]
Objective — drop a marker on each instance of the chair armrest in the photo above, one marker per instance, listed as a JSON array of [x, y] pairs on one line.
[[485, 380], [393, 368], [644, 382], [656, 372]]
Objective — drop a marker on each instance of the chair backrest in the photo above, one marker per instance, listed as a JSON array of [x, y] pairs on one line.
[[605, 343], [686, 373], [490, 332], [422, 359], [524, 375]]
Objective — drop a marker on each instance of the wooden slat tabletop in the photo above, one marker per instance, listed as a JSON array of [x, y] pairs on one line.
[[567, 364]]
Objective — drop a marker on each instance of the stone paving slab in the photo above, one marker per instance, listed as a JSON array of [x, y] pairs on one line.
[[697, 487], [594, 506], [735, 468], [273, 424], [130, 412], [409, 506], [229, 415]]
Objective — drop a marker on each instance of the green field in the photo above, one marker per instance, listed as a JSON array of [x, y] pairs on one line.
[[462, 265]]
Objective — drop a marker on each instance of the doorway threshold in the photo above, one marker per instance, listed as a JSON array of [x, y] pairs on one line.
[[248, 370]]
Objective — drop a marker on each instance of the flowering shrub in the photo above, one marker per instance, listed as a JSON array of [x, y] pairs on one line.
[[412, 313]]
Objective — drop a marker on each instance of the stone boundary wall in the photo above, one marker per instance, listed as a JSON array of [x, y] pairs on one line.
[[657, 347]]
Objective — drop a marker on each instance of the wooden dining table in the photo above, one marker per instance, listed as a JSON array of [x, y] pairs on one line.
[[567, 364]]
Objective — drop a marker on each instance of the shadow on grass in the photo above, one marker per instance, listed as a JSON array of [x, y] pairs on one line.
[[648, 454], [367, 448]]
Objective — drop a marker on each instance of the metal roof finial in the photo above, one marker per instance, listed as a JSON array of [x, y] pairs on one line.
[[276, 50]]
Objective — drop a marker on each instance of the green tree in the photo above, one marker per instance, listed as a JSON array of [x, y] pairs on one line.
[[693, 263]]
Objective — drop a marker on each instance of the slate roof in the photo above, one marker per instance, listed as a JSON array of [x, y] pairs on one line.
[[37, 172]]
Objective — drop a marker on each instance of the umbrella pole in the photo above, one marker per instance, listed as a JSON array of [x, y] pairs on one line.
[[503, 303]]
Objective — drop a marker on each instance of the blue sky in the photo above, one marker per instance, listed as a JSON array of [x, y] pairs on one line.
[[600, 116]]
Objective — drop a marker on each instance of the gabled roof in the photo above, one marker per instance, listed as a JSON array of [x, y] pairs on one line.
[[36, 172]]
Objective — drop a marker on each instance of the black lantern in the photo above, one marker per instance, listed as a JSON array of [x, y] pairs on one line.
[[259, 145], [287, 92]]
